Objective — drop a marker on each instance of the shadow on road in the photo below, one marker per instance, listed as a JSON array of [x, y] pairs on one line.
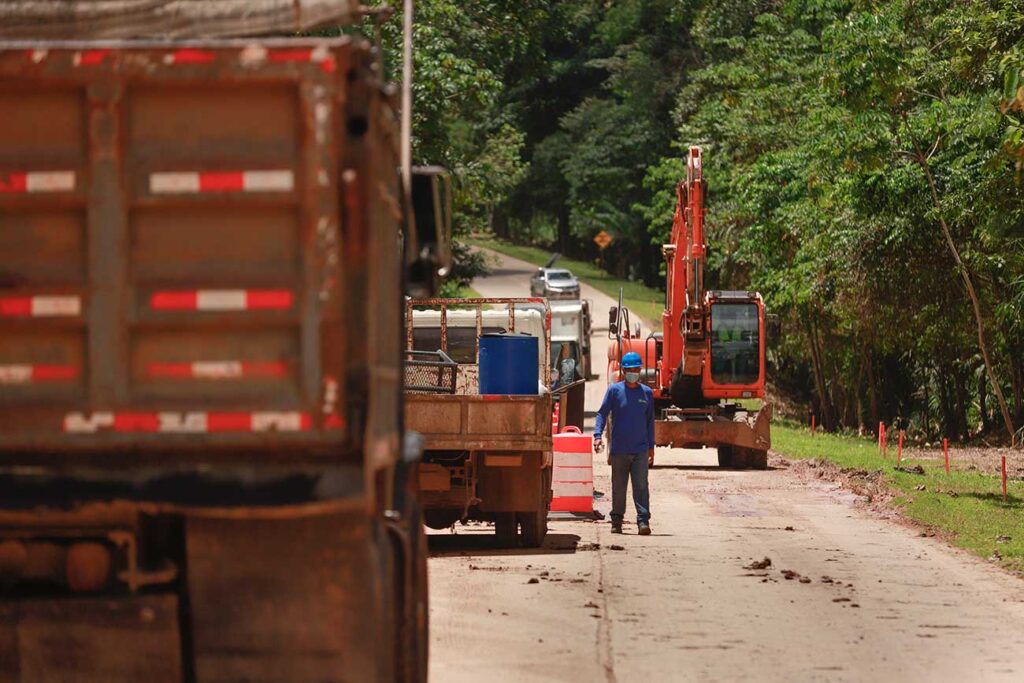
[[486, 545], [711, 468]]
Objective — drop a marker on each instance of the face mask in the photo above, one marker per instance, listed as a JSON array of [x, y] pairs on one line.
[[633, 377]]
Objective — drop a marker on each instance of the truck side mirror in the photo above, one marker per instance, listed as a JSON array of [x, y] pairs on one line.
[[428, 240], [613, 320]]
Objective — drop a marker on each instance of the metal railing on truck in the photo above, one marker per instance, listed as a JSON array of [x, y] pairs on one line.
[[444, 306]]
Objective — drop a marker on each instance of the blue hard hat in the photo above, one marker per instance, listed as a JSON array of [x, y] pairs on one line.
[[632, 360]]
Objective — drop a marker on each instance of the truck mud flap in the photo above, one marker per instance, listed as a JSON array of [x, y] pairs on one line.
[[299, 600], [91, 640], [750, 430]]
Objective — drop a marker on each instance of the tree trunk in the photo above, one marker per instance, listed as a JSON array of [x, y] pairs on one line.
[[824, 403], [872, 390], [922, 161], [982, 403]]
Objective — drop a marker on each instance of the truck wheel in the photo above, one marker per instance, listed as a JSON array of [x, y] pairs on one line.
[[725, 458], [535, 527], [755, 459], [421, 608], [535, 524], [505, 529]]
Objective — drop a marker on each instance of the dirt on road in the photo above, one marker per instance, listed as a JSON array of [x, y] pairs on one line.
[[749, 575]]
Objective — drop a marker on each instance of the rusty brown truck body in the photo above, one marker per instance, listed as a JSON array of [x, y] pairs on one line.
[[485, 457], [201, 464]]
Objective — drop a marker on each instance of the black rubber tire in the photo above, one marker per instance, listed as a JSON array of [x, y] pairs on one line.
[[421, 610], [755, 459], [505, 528], [440, 519], [534, 524], [534, 527], [725, 456]]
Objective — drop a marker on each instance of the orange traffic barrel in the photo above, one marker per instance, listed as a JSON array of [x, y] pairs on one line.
[[572, 481]]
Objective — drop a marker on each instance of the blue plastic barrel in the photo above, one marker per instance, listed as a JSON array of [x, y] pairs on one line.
[[508, 364]]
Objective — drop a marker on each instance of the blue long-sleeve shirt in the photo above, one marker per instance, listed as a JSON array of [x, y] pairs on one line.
[[632, 413]]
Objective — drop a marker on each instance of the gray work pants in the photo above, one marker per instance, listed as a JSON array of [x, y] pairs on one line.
[[626, 466]]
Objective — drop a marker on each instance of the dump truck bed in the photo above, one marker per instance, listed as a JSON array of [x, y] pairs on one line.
[[168, 258]]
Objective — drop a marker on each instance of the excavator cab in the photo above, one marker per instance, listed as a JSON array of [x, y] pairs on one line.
[[736, 335]]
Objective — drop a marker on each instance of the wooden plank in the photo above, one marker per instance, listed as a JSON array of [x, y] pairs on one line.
[[167, 19]]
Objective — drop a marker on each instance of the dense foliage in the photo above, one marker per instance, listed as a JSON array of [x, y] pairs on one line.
[[852, 146]]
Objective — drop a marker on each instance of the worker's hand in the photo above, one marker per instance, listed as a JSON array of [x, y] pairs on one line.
[[598, 444], [650, 458]]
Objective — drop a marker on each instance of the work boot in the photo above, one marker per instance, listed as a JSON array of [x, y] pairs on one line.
[[643, 528], [616, 527]]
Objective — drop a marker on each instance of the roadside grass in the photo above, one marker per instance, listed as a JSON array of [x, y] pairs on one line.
[[967, 507], [640, 299]]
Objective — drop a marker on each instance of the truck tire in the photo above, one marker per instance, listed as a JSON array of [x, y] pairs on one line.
[[505, 529], [725, 456], [754, 459], [420, 608], [535, 524]]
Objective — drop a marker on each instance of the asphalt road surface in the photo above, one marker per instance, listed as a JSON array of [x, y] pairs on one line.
[[866, 599]]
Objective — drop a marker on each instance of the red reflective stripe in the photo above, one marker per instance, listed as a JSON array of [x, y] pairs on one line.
[[264, 369], [174, 301], [268, 299], [14, 182], [54, 373], [305, 422], [16, 306], [296, 55], [192, 56], [334, 421], [225, 181], [92, 57], [187, 370], [169, 370], [136, 422], [229, 422]]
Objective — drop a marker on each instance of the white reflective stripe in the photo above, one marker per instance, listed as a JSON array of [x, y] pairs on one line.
[[571, 490], [573, 459], [220, 300], [216, 369], [182, 423], [173, 183], [15, 374], [56, 305], [50, 181], [282, 422], [79, 423], [268, 181]]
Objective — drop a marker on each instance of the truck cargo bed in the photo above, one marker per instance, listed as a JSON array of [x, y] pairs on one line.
[[168, 259]]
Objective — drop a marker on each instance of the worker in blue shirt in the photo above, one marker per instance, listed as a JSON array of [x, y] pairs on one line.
[[631, 407]]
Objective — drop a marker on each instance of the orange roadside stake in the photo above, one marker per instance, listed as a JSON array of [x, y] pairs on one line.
[[899, 449], [945, 453]]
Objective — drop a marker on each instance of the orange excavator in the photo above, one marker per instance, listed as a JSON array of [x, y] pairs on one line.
[[710, 352]]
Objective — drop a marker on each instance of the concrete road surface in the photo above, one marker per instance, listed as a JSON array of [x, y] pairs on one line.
[[866, 599]]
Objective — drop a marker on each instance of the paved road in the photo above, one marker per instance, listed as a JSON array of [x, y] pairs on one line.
[[877, 600]]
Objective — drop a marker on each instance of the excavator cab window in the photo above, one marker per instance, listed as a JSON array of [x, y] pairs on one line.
[[735, 343]]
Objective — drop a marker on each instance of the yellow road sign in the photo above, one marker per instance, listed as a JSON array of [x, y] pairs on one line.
[[603, 239]]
